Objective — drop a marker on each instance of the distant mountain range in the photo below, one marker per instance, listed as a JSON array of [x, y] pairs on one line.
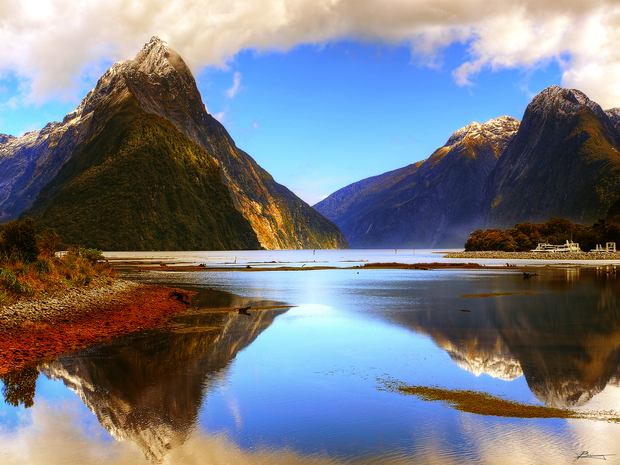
[[142, 165], [562, 160]]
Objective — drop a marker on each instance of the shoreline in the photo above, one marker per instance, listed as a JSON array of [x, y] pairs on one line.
[[576, 256], [33, 330], [39, 329]]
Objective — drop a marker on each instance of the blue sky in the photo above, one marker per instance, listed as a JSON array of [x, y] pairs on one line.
[[319, 119], [321, 93]]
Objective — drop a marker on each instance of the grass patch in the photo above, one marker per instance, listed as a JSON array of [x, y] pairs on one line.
[[479, 403], [48, 275]]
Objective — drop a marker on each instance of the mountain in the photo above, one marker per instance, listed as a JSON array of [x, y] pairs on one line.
[[432, 203], [40, 166], [140, 184], [564, 162]]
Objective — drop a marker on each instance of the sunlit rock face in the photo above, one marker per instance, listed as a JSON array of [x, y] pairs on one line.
[[162, 84], [433, 203], [148, 388]]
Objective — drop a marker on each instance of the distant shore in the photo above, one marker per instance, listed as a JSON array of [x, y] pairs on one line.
[[490, 254], [34, 330]]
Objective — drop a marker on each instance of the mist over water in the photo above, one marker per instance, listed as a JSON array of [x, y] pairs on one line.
[[304, 384]]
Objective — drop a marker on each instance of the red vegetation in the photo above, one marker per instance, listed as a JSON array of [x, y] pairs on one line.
[[143, 308]]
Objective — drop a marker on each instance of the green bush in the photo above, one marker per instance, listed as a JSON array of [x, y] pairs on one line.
[[47, 242], [5, 299], [18, 241], [9, 281], [92, 255], [43, 266]]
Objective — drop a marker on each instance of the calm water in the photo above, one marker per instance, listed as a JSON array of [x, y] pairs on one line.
[[303, 385]]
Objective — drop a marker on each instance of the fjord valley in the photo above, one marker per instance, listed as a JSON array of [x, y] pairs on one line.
[[141, 165], [561, 160]]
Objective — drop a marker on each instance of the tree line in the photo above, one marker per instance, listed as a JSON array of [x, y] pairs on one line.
[[526, 236]]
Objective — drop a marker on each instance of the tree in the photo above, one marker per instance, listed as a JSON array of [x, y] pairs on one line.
[[18, 241]]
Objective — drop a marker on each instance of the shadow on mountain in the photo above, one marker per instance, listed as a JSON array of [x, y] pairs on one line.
[[148, 388], [565, 339]]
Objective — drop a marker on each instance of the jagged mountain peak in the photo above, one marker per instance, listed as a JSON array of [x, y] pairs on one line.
[[555, 101], [497, 131], [614, 116], [561, 163], [4, 138], [157, 57], [154, 63], [556, 94], [501, 125]]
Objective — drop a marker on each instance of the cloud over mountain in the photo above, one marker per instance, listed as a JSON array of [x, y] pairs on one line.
[[52, 42]]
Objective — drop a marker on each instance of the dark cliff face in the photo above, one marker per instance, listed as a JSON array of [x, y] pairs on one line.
[[30, 162], [160, 82], [563, 162], [430, 204]]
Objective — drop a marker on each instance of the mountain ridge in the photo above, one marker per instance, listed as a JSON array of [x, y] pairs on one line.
[[562, 159], [410, 211]]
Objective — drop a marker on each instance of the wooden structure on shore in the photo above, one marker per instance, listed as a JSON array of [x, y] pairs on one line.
[[545, 247], [609, 247]]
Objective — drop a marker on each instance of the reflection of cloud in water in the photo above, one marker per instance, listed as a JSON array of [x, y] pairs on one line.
[[233, 405], [520, 442], [56, 435]]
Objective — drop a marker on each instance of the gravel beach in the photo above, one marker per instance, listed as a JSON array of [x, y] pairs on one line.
[[35, 330], [67, 303]]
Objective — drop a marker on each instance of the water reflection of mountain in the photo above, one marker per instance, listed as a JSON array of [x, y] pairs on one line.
[[564, 340], [148, 388]]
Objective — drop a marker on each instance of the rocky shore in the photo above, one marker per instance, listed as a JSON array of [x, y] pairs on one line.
[[70, 302], [490, 254], [34, 330]]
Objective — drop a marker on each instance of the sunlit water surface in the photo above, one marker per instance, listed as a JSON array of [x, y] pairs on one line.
[[304, 385]]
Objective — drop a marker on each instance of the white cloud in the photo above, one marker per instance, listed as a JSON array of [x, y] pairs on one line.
[[234, 90], [50, 42], [221, 115]]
